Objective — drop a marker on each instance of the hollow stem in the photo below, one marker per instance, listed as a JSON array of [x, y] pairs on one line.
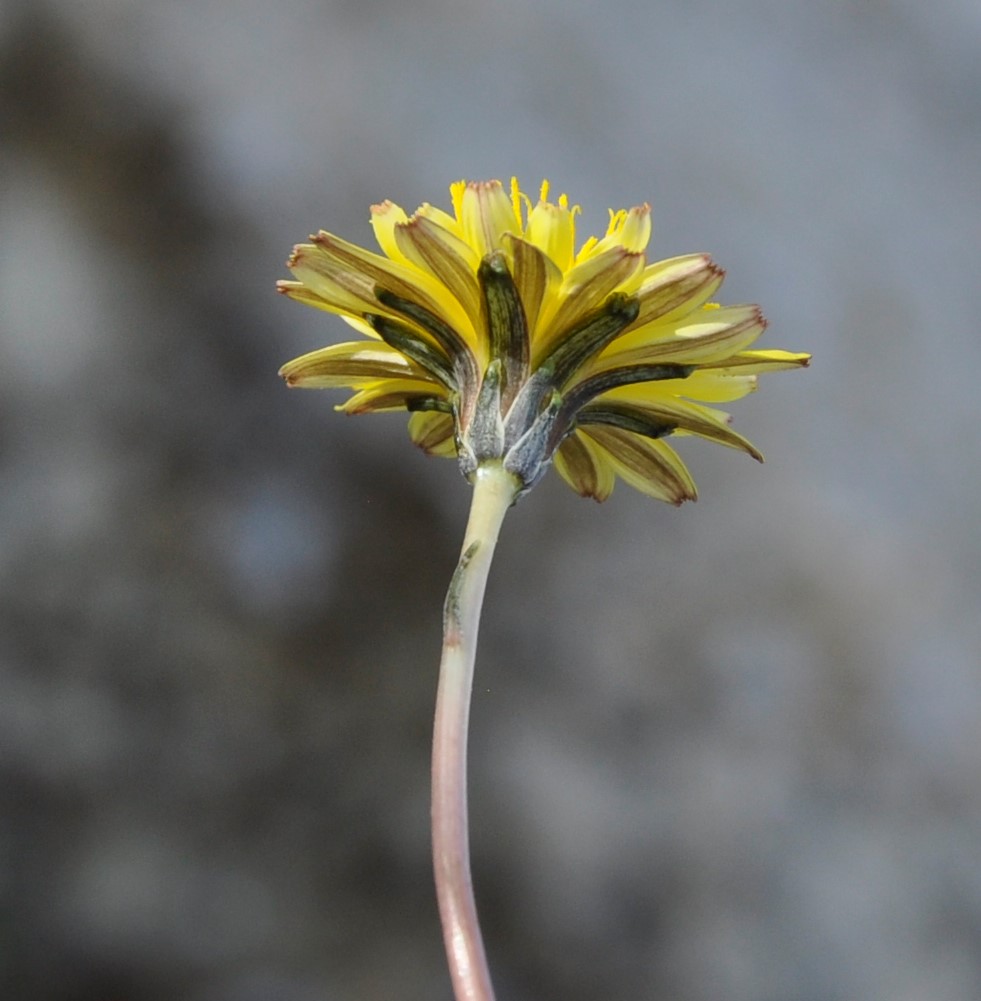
[[494, 490]]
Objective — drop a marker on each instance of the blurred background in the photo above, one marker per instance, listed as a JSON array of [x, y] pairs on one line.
[[727, 751]]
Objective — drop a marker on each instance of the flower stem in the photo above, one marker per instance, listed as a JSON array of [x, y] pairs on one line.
[[494, 490]]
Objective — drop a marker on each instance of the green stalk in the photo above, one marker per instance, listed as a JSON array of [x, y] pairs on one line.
[[494, 490]]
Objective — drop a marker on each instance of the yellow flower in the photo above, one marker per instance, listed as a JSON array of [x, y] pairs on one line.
[[507, 344]]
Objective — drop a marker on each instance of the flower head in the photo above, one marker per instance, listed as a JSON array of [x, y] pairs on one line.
[[509, 344]]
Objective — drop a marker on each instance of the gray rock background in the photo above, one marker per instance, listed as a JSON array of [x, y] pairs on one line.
[[728, 751]]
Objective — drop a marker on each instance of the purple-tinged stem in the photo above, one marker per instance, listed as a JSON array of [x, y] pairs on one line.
[[494, 490]]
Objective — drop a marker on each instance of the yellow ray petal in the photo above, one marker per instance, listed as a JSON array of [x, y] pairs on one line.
[[583, 289], [552, 229], [353, 364], [717, 387], [330, 262], [706, 386], [445, 257], [334, 300], [671, 289], [758, 362], [440, 218], [708, 336], [635, 231], [629, 229], [585, 467], [390, 394], [433, 433], [536, 277], [361, 327], [384, 218], [487, 214], [687, 416], [650, 466]]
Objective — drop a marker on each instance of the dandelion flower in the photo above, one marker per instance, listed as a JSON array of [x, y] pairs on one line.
[[509, 344], [512, 346]]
